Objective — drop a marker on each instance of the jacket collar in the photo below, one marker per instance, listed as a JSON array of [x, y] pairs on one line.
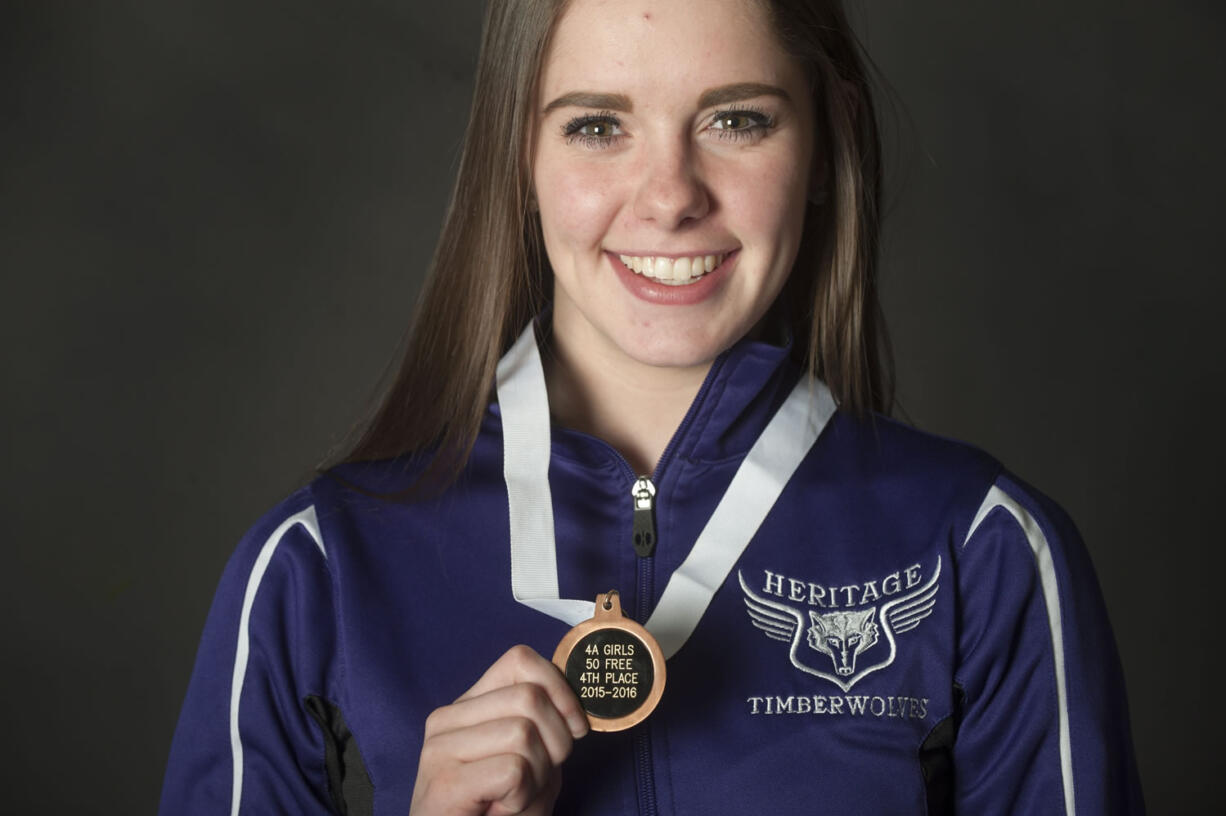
[[741, 392]]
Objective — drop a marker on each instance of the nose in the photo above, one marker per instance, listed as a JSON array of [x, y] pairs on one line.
[[671, 190]]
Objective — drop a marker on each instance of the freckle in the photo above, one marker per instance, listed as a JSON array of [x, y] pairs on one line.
[[646, 15]]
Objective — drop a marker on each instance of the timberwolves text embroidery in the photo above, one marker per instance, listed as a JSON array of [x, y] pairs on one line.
[[856, 705]]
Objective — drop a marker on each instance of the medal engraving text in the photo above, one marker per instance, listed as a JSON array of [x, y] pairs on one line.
[[611, 672]]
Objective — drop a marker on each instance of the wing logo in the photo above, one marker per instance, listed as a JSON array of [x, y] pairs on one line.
[[843, 646]]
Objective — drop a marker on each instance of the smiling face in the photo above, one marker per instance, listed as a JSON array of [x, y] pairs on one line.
[[672, 154]]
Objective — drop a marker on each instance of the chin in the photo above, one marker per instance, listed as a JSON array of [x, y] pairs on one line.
[[673, 351]]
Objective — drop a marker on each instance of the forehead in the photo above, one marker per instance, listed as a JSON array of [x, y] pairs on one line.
[[653, 50]]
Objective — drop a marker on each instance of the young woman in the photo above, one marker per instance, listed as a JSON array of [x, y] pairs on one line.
[[661, 249]]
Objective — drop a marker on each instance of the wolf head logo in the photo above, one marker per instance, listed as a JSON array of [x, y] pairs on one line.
[[846, 636], [842, 636]]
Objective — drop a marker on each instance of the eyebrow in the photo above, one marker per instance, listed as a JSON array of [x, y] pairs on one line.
[[587, 99], [738, 92], [708, 99]]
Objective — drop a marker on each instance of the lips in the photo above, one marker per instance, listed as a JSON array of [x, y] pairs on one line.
[[673, 271], [688, 291]]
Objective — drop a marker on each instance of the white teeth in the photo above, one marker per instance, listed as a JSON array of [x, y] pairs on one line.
[[672, 271]]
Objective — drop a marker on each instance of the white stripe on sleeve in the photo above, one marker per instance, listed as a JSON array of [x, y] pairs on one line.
[[1051, 598], [311, 524]]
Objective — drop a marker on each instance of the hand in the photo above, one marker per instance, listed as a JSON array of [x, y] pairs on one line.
[[498, 748]]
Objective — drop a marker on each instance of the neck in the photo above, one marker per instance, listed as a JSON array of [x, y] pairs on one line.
[[633, 406]]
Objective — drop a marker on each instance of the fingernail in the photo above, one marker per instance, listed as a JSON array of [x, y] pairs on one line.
[[578, 724]]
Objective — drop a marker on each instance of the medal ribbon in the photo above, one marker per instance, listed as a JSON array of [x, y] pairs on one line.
[[755, 487]]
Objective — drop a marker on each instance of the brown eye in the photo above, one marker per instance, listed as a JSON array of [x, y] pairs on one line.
[[733, 121], [597, 130], [593, 130], [741, 125]]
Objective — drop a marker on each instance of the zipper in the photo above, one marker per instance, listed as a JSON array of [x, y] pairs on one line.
[[644, 492], [645, 538], [644, 495], [643, 770]]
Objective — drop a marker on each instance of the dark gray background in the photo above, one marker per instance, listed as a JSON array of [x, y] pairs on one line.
[[213, 219]]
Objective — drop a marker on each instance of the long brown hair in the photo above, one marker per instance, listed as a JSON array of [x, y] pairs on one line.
[[489, 275]]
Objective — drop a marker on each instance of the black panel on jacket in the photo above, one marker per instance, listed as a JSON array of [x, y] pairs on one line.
[[936, 758], [348, 782]]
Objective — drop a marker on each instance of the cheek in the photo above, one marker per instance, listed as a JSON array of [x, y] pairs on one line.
[[764, 200], [577, 203]]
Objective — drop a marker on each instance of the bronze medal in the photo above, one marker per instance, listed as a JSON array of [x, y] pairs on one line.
[[614, 665]]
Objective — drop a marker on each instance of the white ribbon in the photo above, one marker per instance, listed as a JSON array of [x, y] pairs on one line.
[[759, 480]]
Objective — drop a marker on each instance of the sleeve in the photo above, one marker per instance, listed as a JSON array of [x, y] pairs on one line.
[[245, 741], [1044, 723]]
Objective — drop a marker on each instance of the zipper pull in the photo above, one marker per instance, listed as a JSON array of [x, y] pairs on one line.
[[644, 493]]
